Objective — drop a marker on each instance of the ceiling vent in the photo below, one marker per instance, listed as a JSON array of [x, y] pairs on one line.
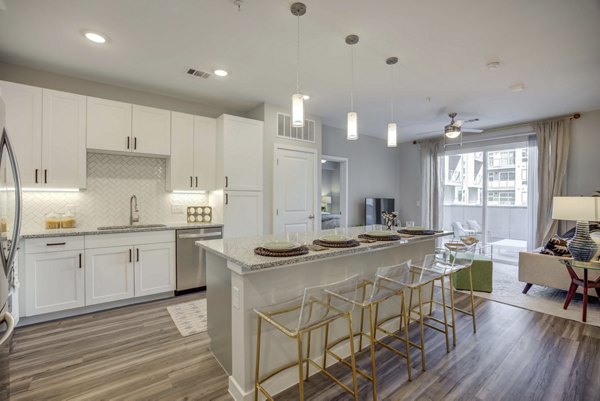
[[198, 73]]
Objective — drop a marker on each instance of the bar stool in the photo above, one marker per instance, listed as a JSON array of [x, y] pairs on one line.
[[317, 308], [372, 292]]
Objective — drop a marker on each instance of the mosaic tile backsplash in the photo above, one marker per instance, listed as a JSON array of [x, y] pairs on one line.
[[111, 181]]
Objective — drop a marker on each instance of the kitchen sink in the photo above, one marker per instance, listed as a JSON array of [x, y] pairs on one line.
[[129, 227]]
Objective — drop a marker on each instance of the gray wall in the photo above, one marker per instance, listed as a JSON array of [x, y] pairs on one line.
[[44, 79], [583, 168], [372, 169]]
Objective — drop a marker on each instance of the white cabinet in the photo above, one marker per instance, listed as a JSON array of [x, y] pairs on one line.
[[24, 127], [109, 274], [151, 131], [47, 131], [63, 140], [108, 125], [193, 159], [242, 215], [121, 127], [54, 275], [239, 150], [154, 268]]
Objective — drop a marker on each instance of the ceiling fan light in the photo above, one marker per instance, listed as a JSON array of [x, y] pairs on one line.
[[452, 132], [392, 135], [352, 133], [297, 110]]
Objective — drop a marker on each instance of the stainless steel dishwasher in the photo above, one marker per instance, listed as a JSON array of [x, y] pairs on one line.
[[191, 260]]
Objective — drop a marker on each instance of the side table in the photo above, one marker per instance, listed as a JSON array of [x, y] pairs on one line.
[[578, 282]]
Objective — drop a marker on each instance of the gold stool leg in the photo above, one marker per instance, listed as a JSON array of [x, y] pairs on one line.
[[422, 330], [326, 345], [307, 356], [352, 357], [472, 298], [372, 336], [410, 300], [445, 315], [406, 338], [300, 363], [362, 325], [431, 299], [257, 371], [452, 310]]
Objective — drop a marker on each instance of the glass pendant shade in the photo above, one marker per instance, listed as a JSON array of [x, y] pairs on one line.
[[453, 133], [297, 110], [392, 138], [352, 133]]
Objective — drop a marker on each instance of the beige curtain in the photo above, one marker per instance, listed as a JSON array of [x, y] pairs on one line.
[[431, 183], [553, 138]]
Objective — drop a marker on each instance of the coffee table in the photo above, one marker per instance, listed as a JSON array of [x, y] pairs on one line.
[[578, 282]]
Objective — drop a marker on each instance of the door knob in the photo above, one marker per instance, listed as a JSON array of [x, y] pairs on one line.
[[311, 216]]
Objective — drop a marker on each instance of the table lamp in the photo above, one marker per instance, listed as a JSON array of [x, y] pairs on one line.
[[582, 209]]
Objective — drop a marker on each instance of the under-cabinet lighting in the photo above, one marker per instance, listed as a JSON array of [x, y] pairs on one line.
[[34, 189]]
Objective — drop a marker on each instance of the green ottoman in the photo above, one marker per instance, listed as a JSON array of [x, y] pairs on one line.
[[482, 275]]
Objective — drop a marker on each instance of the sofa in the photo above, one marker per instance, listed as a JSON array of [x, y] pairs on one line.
[[539, 269]]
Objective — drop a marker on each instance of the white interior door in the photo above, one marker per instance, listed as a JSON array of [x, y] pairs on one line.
[[294, 190]]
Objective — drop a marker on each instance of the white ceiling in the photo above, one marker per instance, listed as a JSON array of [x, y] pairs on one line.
[[552, 46]]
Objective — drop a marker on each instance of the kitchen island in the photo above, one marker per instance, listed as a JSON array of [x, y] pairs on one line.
[[238, 281]]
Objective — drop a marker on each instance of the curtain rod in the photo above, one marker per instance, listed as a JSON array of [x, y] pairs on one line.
[[574, 116]]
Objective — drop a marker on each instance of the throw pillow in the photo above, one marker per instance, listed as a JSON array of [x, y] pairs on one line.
[[556, 247]]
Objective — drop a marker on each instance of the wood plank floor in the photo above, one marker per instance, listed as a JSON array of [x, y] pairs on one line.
[[136, 353]]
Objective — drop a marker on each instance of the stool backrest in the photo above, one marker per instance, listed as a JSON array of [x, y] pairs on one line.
[[389, 280], [322, 302]]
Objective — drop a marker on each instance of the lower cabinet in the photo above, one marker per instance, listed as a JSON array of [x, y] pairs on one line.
[[154, 269], [55, 281], [109, 274]]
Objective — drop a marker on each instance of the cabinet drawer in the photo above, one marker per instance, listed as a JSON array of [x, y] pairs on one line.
[[54, 244], [134, 238]]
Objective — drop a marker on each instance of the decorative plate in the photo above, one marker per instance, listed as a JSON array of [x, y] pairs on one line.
[[280, 245], [335, 238]]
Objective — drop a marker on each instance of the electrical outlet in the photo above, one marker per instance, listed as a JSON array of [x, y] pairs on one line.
[[175, 208]]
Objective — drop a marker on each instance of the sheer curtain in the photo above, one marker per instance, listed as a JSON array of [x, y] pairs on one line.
[[553, 139], [431, 183]]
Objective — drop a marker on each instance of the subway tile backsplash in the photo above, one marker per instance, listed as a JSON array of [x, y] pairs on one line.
[[112, 179]]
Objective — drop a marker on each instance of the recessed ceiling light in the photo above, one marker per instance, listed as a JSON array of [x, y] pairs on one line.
[[95, 37], [306, 97], [221, 73], [493, 65], [517, 87]]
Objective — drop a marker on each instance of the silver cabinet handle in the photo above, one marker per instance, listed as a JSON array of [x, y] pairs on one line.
[[226, 182], [45, 176], [135, 143], [36, 175], [128, 142], [55, 243], [80, 261], [227, 199], [196, 181], [208, 235], [191, 181]]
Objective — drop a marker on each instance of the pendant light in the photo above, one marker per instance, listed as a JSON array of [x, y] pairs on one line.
[[392, 131], [352, 130], [298, 9]]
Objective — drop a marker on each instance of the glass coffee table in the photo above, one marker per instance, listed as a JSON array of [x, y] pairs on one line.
[[578, 282]]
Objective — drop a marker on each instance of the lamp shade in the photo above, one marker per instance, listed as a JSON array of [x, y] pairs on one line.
[[326, 199], [576, 208], [392, 136], [297, 110], [352, 133]]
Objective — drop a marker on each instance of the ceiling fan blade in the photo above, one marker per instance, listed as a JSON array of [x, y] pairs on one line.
[[429, 133], [473, 130], [458, 123], [471, 120]]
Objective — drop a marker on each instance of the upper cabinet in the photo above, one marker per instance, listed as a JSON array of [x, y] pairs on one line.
[[239, 150], [193, 147], [121, 127], [47, 130]]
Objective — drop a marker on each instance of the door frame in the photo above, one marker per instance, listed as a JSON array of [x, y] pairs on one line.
[[316, 182], [344, 183]]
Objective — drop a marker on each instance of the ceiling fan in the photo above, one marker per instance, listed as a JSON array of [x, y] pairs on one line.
[[455, 128]]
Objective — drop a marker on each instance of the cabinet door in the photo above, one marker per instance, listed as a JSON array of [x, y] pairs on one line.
[[154, 268], [24, 127], [181, 164], [54, 282], [63, 140], [242, 214], [205, 148], [242, 153], [151, 131], [108, 125], [109, 275]]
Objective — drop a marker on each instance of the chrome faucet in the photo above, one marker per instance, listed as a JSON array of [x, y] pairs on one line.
[[134, 216]]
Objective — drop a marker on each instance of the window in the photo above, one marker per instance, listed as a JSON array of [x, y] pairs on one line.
[[285, 129]]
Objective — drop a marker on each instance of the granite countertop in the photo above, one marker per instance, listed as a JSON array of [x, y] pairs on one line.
[[64, 232], [241, 250]]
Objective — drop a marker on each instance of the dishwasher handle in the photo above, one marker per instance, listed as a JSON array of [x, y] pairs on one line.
[[200, 236]]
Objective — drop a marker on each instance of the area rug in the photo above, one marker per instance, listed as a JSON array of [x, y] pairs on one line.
[[508, 290], [189, 317]]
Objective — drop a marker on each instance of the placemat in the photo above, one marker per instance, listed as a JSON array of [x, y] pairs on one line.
[[303, 250], [391, 237], [347, 244]]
